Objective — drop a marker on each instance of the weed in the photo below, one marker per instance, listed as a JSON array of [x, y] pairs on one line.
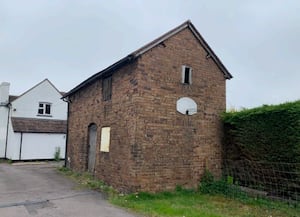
[[224, 186], [57, 154], [87, 180], [8, 161]]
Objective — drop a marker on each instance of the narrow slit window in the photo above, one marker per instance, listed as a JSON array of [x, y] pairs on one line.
[[107, 88], [186, 75]]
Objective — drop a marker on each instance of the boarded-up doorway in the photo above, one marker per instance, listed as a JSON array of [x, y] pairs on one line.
[[92, 147]]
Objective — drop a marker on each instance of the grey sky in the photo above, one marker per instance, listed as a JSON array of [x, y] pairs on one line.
[[67, 41]]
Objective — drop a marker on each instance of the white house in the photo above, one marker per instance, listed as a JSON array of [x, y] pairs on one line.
[[34, 124]]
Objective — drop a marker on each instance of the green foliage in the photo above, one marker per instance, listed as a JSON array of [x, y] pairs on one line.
[[268, 133], [207, 177], [9, 161], [230, 180], [185, 202], [57, 154], [224, 186], [64, 170], [179, 188]]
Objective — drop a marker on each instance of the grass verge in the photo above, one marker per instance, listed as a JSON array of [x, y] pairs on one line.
[[192, 204], [188, 203]]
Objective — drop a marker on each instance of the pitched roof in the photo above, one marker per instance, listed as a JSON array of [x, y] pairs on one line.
[[45, 80], [147, 47], [35, 125], [12, 98]]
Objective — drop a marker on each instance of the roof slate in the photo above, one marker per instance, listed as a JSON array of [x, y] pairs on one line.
[[35, 125]]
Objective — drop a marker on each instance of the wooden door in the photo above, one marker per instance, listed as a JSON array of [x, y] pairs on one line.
[[92, 148]]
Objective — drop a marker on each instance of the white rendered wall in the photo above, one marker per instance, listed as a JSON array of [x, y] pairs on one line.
[[13, 145], [26, 105], [36, 145], [3, 129], [4, 92]]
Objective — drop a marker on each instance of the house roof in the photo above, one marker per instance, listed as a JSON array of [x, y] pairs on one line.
[[147, 47], [35, 125], [12, 98]]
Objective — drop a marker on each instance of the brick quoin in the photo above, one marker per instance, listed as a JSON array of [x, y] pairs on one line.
[[153, 147]]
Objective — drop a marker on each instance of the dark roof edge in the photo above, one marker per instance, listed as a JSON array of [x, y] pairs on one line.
[[45, 80], [160, 39], [100, 74], [147, 47], [186, 24], [42, 131], [12, 97], [216, 59]]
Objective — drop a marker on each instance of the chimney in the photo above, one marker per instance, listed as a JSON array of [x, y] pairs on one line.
[[4, 93]]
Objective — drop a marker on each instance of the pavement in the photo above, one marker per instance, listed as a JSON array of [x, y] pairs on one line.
[[38, 190]]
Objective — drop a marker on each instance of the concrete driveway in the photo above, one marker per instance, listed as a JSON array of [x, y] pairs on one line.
[[38, 190]]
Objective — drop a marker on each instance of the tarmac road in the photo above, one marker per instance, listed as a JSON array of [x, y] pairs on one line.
[[39, 190]]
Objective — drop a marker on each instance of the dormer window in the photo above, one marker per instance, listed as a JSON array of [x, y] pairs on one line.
[[186, 75], [44, 108]]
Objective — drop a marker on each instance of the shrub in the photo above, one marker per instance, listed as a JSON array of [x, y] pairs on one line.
[[267, 133], [258, 139], [224, 186]]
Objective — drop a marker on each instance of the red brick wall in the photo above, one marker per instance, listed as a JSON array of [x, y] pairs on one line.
[[175, 148], [153, 147], [119, 113]]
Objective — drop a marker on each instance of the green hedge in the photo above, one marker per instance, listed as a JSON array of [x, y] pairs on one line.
[[267, 133]]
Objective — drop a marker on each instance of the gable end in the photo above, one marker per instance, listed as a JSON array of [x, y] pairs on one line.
[[134, 55]]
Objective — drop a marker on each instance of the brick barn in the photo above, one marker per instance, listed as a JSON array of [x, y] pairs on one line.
[[151, 121]]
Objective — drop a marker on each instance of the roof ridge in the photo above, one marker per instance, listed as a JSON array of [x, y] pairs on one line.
[[36, 85], [161, 38], [132, 56]]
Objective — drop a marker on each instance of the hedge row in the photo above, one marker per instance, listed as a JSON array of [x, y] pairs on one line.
[[267, 133]]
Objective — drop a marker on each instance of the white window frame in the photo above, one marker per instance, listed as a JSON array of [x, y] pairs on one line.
[[183, 73], [43, 108]]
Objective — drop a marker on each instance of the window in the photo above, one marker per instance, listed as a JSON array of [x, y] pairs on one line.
[[186, 75], [105, 139], [106, 88], [44, 108]]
